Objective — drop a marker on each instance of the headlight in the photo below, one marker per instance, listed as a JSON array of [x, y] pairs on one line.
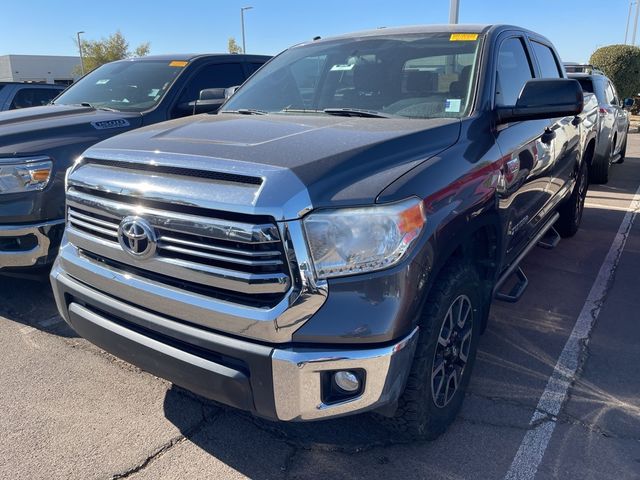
[[24, 174], [358, 240]]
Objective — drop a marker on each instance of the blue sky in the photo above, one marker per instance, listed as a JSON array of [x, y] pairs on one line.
[[576, 27]]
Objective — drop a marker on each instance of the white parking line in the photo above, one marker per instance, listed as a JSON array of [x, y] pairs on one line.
[[532, 449]]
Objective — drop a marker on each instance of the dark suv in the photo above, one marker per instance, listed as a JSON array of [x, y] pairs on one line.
[[613, 123], [16, 95], [331, 242]]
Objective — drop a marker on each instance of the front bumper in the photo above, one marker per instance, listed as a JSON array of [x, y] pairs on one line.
[[29, 245], [276, 383]]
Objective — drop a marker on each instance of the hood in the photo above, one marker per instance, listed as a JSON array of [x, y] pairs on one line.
[[337, 160], [38, 129]]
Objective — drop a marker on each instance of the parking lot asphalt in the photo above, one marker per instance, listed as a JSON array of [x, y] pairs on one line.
[[555, 392]]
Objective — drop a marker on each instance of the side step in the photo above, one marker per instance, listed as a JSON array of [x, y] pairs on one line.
[[517, 290], [545, 239], [550, 239]]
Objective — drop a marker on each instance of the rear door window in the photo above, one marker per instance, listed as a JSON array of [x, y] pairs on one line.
[[514, 70], [546, 60]]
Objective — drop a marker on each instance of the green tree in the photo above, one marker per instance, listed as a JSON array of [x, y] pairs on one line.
[[233, 46], [621, 63], [105, 50]]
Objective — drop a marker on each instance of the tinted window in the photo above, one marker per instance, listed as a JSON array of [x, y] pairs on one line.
[[586, 84], [252, 67], [546, 60], [414, 76], [610, 94], [126, 85], [514, 70], [33, 97]]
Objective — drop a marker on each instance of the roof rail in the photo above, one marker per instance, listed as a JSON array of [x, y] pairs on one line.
[[581, 68]]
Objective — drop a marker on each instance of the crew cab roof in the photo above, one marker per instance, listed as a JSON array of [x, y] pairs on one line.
[[443, 28], [188, 57]]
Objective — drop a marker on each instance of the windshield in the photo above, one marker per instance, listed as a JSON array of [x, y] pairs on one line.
[[414, 76], [128, 86]]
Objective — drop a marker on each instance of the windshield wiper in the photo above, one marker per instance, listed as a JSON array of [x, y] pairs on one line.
[[108, 109], [356, 112], [246, 111]]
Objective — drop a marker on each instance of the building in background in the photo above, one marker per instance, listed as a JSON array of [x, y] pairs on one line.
[[39, 68]]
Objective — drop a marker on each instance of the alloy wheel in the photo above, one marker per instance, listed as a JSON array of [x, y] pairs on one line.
[[452, 351]]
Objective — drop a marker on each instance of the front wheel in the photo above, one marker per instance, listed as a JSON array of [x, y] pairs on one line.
[[445, 354], [572, 209]]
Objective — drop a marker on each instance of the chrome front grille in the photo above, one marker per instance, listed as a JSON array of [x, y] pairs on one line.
[[223, 255]]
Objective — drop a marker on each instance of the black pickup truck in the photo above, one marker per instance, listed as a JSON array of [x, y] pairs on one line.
[[38, 145], [332, 240]]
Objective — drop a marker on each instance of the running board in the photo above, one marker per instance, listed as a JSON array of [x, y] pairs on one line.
[[550, 239], [522, 282], [517, 290]]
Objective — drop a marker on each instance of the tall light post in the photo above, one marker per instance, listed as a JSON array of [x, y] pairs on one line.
[[626, 32], [635, 25], [81, 56], [454, 10], [242, 9]]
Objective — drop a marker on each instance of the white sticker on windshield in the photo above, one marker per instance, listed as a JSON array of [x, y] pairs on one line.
[[153, 92], [342, 68], [452, 105], [103, 81]]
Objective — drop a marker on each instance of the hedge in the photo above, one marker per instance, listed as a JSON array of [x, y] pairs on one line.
[[621, 63]]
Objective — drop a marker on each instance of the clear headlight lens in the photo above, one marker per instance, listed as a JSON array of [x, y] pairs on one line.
[[24, 174], [358, 240]]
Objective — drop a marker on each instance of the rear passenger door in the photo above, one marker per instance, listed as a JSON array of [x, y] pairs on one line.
[[213, 75], [564, 132], [526, 155], [620, 116]]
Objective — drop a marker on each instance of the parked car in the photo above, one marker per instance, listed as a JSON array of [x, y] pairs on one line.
[[15, 95], [613, 124], [331, 242], [39, 144]]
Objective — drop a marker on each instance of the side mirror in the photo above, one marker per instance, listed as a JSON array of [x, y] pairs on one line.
[[544, 98], [209, 102], [228, 92], [628, 102]]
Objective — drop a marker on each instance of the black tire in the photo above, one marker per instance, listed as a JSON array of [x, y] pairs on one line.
[[421, 413], [623, 150], [572, 209], [599, 171]]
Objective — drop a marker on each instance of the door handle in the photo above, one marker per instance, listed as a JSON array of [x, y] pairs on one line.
[[547, 136]]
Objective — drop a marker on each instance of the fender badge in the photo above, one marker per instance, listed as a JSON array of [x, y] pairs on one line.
[[118, 123]]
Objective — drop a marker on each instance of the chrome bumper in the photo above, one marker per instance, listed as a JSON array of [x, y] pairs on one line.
[[31, 255], [276, 383]]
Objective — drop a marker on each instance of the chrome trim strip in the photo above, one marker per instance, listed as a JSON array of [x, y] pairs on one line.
[[27, 258], [90, 226], [212, 256], [182, 269], [217, 248], [297, 382], [180, 222]]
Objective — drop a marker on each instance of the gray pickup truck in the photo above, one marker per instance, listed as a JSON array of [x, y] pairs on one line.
[[332, 240], [39, 144]]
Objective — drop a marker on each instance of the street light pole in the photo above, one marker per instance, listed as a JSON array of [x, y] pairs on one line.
[[81, 56], [635, 25], [626, 32], [454, 10], [242, 9]]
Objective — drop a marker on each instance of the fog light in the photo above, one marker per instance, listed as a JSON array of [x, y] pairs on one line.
[[347, 381]]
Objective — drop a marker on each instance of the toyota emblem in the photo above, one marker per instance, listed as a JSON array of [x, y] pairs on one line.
[[137, 237]]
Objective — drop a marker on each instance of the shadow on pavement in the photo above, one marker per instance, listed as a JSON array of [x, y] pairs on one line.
[[29, 300]]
